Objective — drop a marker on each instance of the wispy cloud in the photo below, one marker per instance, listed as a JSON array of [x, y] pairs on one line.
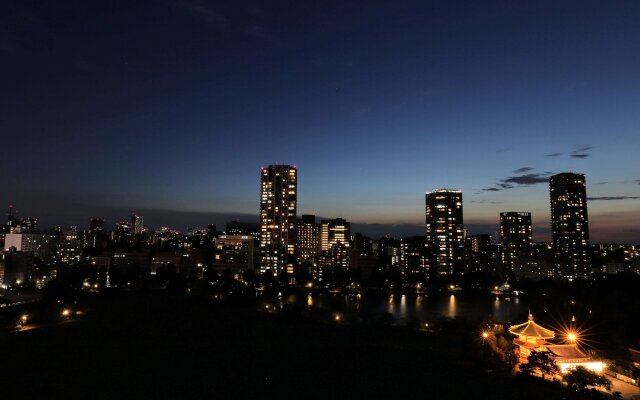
[[486, 202], [582, 148], [511, 182], [613, 198], [580, 151], [527, 179], [503, 150], [553, 155], [522, 170]]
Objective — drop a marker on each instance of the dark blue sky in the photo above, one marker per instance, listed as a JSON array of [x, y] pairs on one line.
[[174, 105]]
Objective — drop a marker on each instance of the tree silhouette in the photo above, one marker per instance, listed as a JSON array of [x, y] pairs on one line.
[[580, 378], [542, 361]]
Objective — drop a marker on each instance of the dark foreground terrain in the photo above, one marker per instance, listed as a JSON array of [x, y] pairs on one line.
[[161, 346]]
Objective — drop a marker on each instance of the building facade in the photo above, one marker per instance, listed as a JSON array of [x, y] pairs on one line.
[[569, 225], [515, 238], [479, 253], [234, 252], [43, 245], [307, 239], [278, 207], [137, 224], [445, 231], [334, 231]]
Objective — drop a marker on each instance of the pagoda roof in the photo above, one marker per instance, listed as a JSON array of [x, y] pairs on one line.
[[531, 329], [568, 351]]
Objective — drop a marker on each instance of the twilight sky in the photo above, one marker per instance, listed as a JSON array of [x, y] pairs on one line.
[[174, 105]]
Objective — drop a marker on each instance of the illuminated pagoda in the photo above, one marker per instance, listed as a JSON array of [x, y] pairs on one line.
[[533, 337]]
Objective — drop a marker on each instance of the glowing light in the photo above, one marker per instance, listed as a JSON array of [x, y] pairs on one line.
[[24, 318], [595, 366], [572, 337], [485, 335], [66, 312], [337, 317]]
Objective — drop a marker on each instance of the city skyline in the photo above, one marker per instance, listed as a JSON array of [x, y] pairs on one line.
[[328, 199], [185, 220], [168, 112]]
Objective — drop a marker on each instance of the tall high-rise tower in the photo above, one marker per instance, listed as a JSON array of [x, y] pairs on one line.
[[515, 237], [278, 206], [137, 223], [569, 225], [445, 232]]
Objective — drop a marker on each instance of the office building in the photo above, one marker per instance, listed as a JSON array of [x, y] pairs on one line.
[[307, 238], [41, 245], [334, 231], [233, 252]]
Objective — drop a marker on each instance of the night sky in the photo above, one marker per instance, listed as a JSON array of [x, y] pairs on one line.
[[110, 107]]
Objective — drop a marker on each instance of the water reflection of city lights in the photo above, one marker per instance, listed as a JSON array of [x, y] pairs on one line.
[[452, 306]]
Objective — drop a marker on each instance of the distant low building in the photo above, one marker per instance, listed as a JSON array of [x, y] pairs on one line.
[[43, 245], [132, 257], [242, 228], [164, 259], [234, 252], [100, 261], [18, 266]]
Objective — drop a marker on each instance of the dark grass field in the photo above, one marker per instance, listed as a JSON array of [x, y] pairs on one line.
[[160, 346]]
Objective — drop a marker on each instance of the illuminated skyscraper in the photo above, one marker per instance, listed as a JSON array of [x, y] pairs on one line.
[[278, 206], [445, 232], [307, 238], [137, 224], [569, 225], [515, 237]]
